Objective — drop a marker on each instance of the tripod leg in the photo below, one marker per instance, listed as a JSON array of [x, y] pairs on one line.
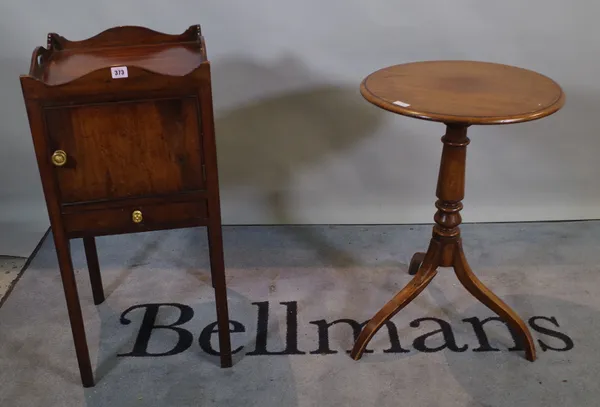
[[415, 263], [91, 255], [489, 299], [422, 278]]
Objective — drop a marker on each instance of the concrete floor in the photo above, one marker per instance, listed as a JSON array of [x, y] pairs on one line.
[[295, 293]]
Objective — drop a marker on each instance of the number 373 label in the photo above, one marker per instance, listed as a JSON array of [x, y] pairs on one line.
[[118, 72]]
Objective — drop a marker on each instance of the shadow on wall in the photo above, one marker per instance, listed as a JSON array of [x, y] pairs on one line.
[[264, 141]]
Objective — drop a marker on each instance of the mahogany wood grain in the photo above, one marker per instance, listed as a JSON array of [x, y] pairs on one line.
[[119, 220], [61, 243], [91, 256], [103, 142], [166, 59], [420, 281], [67, 273], [124, 36], [445, 250], [100, 84], [464, 92], [215, 240], [415, 263], [459, 94], [143, 143], [186, 196], [489, 299]]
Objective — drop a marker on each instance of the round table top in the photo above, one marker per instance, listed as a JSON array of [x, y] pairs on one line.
[[465, 92]]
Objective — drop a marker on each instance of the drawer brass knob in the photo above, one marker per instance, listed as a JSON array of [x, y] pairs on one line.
[[59, 158], [136, 216]]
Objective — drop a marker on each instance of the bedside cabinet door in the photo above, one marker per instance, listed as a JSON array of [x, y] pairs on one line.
[[125, 149]]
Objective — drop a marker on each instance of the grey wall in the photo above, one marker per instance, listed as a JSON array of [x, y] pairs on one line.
[[298, 144]]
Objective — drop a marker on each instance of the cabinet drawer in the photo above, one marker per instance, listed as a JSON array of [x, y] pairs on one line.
[[132, 219]]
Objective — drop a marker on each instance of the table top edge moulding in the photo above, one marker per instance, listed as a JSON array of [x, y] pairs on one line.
[[144, 51], [464, 92]]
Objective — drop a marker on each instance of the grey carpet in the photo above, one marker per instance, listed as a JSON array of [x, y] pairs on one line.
[[315, 275]]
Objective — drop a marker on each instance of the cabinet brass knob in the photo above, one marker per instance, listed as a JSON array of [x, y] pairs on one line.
[[136, 216], [59, 158]]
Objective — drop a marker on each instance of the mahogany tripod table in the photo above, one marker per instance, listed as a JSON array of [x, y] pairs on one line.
[[458, 94]]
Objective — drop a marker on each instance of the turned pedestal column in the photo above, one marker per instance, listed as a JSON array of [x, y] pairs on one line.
[[458, 94]]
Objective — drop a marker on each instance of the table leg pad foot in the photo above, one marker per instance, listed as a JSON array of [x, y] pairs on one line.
[[415, 263], [489, 299]]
